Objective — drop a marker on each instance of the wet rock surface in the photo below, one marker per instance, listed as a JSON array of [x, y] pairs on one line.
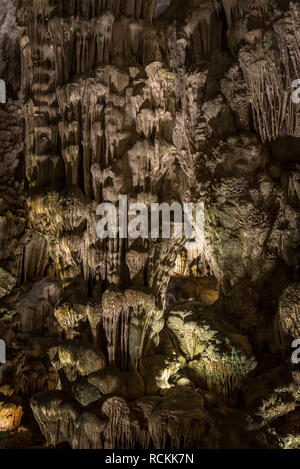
[[149, 343]]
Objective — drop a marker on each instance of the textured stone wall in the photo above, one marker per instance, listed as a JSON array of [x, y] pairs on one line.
[[146, 343]]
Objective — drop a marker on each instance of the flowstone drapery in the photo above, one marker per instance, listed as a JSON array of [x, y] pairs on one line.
[[149, 343]]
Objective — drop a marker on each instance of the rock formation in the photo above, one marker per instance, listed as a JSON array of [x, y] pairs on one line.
[[150, 342]]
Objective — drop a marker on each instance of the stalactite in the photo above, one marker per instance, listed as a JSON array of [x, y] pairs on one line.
[[234, 10], [173, 427], [112, 309], [88, 40], [123, 430], [35, 259], [116, 104], [57, 418]]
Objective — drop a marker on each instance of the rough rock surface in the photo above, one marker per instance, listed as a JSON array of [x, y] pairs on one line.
[[148, 343]]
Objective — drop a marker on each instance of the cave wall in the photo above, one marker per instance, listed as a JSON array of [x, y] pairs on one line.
[[146, 343]]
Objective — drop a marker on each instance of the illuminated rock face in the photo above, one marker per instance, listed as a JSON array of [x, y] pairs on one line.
[[148, 343]]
